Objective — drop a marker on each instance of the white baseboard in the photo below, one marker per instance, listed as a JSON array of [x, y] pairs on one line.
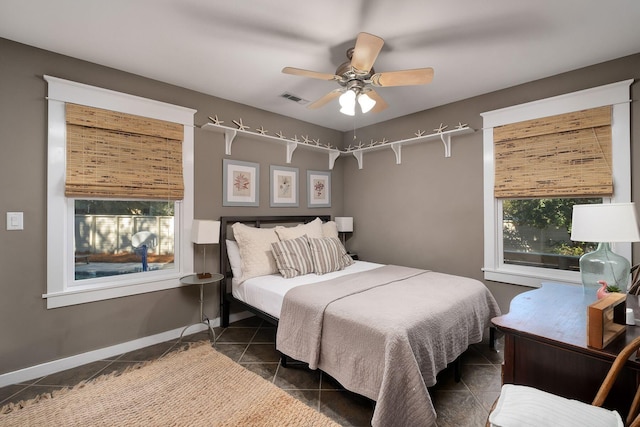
[[48, 368]]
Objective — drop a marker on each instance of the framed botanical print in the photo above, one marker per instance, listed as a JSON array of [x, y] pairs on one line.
[[318, 189], [283, 186], [240, 183]]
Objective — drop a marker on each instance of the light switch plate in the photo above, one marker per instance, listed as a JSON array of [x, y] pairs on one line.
[[15, 221]]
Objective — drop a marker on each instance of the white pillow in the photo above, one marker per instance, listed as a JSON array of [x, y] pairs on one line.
[[312, 229], [526, 406], [233, 253], [255, 250], [330, 229]]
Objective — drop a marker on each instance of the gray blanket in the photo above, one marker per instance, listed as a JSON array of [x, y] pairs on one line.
[[386, 333]]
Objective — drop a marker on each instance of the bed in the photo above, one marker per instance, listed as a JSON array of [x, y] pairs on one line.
[[382, 331]]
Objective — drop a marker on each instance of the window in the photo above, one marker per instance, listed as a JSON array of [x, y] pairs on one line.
[[526, 240], [114, 237], [141, 239], [536, 233]]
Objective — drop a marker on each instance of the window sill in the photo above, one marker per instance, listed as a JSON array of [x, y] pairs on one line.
[[82, 296], [531, 277]]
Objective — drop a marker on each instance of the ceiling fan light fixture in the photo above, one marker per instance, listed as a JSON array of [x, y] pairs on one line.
[[348, 111], [348, 103], [358, 76], [366, 102]]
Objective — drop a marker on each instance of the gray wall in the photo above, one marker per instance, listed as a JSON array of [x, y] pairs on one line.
[[428, 211], [29, 333]]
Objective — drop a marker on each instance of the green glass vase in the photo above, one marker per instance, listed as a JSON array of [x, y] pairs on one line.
[[602, 264]]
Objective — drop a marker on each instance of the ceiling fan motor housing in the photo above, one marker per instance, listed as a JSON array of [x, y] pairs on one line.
[[349, 74], [355, 85]]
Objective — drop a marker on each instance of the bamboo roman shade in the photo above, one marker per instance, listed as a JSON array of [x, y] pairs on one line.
[[568, 155], [117, 155]]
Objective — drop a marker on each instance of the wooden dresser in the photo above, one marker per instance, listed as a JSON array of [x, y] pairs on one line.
[[546, 346]]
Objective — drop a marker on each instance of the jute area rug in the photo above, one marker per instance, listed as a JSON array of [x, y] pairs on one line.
[[193, 387]]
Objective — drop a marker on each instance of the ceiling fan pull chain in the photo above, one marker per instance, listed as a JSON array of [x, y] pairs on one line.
[[354, 127]]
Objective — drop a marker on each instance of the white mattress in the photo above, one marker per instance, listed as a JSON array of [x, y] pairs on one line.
[[266, 293]]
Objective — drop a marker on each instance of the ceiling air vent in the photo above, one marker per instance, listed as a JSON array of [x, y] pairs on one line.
[[294, 98]]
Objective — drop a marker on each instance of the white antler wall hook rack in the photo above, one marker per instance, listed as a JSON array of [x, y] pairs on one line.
[[396, 146], [293, 143], [230, 135]]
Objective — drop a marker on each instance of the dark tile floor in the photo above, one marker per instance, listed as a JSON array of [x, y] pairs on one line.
[[250, 342]]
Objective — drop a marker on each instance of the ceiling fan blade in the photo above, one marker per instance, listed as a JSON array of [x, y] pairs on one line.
[[307, 73], [418, 76], [326, 99], [365, 52], [380, 103]]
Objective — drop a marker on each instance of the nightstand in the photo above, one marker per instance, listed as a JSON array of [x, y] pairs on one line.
[[193, 279]]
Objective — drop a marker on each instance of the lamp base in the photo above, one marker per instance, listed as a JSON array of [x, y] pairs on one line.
[[204, 265], [602, 264]]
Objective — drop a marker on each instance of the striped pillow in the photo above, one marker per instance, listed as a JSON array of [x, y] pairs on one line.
[[328, 255], [293, 257]]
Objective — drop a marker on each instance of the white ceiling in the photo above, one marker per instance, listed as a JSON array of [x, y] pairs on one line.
[[236, 49]]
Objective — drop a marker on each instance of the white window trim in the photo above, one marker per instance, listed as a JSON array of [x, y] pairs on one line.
[[615, 94], [60, 264]]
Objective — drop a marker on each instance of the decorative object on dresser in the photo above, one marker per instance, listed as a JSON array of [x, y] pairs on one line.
[[345, 225], [634, 286], [205, 232], [606, 320], [604, 224], [605, 289]]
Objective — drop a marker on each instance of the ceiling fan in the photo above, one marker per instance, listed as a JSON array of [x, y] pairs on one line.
[[357, 78]]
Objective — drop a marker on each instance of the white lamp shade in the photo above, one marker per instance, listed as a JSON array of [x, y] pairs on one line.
[[366, 102], [609, 222], [348, 103], [344, 224], [205, 232]]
